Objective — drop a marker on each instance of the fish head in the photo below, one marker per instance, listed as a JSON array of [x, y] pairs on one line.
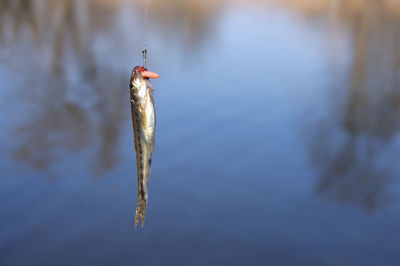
[[139, 83], [142, 74], [137, 80]]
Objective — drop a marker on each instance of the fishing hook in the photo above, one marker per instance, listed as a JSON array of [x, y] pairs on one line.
[[144, 52]]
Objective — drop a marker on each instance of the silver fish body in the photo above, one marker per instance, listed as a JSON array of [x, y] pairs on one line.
[[144, 123]]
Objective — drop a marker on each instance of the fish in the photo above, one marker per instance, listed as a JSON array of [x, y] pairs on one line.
[[144, 125]]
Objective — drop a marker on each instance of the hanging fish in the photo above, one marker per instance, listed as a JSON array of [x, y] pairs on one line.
[[144, 123]]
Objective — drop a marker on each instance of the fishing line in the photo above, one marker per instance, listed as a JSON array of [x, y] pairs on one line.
[[146, 15]]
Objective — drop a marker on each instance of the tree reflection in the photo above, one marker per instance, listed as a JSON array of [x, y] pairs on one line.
[[70, 99], [352, 151]]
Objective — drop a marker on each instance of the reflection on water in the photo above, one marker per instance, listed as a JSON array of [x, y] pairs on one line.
[[228, 150], [60, 37], [358, 168]]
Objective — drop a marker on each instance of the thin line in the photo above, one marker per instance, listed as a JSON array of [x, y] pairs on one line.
[[146, 14]]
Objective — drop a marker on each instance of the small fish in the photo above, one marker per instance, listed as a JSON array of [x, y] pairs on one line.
[[144, 123]]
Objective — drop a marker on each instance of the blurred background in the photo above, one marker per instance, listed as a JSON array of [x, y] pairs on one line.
[[277, 141]]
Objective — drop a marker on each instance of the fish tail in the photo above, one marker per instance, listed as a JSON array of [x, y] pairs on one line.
[[140, 211]]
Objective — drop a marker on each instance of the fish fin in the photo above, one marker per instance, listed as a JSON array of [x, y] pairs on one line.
[[140, 211]]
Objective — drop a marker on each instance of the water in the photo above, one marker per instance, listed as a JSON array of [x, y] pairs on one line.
[[277, 136]]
